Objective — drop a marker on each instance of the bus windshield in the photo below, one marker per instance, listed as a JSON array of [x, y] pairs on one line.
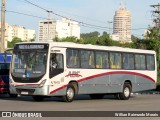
[[29, 64]]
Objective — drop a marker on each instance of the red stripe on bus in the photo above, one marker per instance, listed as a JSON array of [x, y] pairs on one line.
[[107, 73]]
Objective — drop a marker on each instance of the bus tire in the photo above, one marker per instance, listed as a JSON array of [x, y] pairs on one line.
[[125, 95], [70, 94], [38, 98], [96, 96]]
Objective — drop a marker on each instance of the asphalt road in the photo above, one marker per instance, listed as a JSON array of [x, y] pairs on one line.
[[84, 103]]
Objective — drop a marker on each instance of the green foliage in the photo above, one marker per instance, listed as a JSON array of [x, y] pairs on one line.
[[90, 35], [152, 39], [32, 40], [13, 42]]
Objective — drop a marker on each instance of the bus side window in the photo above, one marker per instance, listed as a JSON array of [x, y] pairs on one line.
[[115, 60], [72, 58], [71, 62], [150, 62]]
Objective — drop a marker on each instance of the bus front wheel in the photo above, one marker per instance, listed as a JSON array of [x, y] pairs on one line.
[[70, 94]]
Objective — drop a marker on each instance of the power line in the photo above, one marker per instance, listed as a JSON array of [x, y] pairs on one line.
[[57, 10], [63, 16], [82, 24], [97, 27], [36, 5], [81, 16], [25, 14], [139, 28], [92, 27]]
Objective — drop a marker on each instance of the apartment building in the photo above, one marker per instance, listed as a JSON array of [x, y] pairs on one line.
[[17, 31], [50, 29], [20, 32]]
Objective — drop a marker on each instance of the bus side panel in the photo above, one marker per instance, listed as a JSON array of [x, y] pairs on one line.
[[114, 84], [117, 81], [95, 85], [143, 84], [105, 84]]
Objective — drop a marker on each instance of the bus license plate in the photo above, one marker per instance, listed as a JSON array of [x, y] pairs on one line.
[[24, 93]]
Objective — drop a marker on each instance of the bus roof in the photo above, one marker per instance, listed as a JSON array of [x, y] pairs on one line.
[[89, 46]]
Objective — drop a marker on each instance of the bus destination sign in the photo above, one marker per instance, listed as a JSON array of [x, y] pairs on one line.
[[31, 46]]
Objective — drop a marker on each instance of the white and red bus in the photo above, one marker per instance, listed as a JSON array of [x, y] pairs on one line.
[[42, 69]]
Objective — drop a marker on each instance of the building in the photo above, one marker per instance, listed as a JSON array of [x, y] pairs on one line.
[[17, 31], [122, 24], [47, 30], [29, 34], [20, 32], [51, 29]]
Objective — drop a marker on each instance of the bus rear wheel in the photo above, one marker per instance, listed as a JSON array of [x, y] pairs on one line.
[[70, 94], [126, 93]]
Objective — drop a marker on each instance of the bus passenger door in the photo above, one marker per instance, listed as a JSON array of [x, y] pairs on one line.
[[56, 64], [56, 74]]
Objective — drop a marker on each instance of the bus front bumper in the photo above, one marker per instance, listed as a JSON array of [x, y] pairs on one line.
[[29, 90]]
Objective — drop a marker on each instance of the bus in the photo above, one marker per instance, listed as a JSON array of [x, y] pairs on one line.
[[5, 59], [63, 69]]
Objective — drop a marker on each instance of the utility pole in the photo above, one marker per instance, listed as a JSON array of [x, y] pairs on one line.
[[2, 46], [157, 20]]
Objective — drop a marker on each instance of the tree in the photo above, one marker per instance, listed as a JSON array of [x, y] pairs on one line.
[[13, 42], [90, 35], [152, 39], [69, 39]]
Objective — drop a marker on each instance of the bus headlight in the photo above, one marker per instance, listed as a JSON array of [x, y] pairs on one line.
[[42, 83]]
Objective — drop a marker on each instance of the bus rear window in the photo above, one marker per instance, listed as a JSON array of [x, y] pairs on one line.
[[150, 62]]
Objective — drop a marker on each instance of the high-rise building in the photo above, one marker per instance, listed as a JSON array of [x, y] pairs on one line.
[[47, 30], [122, 24], [50, 29]]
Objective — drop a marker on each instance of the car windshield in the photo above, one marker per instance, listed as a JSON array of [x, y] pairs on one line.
[[29, 64]]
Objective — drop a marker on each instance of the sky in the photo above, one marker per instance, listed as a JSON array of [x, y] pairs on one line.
[[95, 12]]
